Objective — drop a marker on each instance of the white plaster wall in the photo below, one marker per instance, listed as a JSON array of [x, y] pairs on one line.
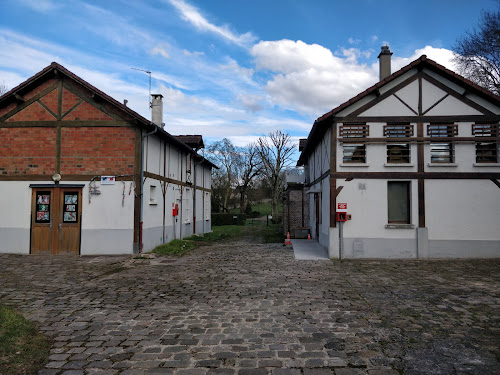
[[15, 203], [462, 209], [15, 216], [390, 106], [356, 105], [409, 94], [107, 226], [443, 80], [367, 203], [431, 95], [105, 211], [397, 81], [154, 151], [453, 107], [484, 103]]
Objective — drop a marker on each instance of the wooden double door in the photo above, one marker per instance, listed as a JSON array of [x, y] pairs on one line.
[[56, 215]]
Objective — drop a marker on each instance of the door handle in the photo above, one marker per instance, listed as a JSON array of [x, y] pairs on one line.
[[60, 225]]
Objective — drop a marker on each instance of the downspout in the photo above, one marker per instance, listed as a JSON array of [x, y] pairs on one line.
[[142, 185]]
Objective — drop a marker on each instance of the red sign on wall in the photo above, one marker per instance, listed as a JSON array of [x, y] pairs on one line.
[[341, 207]]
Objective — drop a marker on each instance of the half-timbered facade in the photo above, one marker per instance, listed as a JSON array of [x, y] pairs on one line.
[[81, 173], [416, 159]]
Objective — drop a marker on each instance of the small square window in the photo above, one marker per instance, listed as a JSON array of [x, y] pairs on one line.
[[152, 195], [354, 153], [442, 152], [486, 150]]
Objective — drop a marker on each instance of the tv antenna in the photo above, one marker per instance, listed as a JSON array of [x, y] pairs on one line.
[[147, 72]]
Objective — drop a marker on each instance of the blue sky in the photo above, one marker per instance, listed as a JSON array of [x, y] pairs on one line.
[[235, 69]]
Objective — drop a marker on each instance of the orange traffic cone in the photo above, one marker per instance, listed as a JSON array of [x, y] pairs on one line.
[[308, 236], [288, 242]]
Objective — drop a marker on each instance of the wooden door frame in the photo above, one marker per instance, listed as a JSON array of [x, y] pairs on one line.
[[56, 189]]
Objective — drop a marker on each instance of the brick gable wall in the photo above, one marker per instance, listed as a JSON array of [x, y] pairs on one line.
[[97, 151], [84, 150], [27, 151]]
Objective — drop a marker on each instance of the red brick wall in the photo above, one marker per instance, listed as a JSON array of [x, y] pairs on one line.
[[50, 100], [38, 89], [97, 151], [27, 151], [34, 112], [87, 112]]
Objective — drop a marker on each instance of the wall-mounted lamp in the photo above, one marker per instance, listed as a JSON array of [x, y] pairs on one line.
[[56, 177]]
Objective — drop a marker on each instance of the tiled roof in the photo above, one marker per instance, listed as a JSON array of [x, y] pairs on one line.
[[193, 141], [302, 143]]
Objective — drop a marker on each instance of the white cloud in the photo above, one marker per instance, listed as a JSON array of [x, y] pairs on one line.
[[440, 55], [42, 6], [160, 51], [195, 53], [254, 103], [192, 15], [352, 40], [310, 79]]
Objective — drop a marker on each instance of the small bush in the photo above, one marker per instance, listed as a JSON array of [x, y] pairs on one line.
[[248, 209], [255, 214]]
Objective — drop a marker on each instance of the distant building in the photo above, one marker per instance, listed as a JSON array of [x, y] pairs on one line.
[[416, 159], [81, 173]]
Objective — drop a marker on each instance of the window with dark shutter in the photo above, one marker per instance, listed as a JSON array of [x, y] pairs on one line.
[[354, 152]]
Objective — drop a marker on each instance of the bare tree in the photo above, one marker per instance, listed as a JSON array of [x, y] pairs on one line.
[[3, 88], [249, 166], [477, 54], [276, 150], [224, 154]]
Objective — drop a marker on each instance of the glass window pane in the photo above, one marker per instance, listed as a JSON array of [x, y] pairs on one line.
[[398, 201], [354, 153]]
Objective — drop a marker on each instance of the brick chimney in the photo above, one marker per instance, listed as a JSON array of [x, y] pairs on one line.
[[384, 59], [157, 110]]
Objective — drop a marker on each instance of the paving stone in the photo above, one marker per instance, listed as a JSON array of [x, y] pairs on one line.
[[285, 371], [232, 307], [259, 371], [73, 372], [318, 371]]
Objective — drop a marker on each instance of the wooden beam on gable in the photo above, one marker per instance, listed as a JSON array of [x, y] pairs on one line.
[[383, 96], [28, 102], [456, 95], [90, 98]]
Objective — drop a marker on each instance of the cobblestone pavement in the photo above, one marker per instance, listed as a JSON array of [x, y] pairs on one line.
[[251, 309]]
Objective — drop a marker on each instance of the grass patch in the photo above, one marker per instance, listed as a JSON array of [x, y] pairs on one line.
[[256, 229], [23, 350], [272, 233], [175, 247], [263, 208], [221, 233]]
